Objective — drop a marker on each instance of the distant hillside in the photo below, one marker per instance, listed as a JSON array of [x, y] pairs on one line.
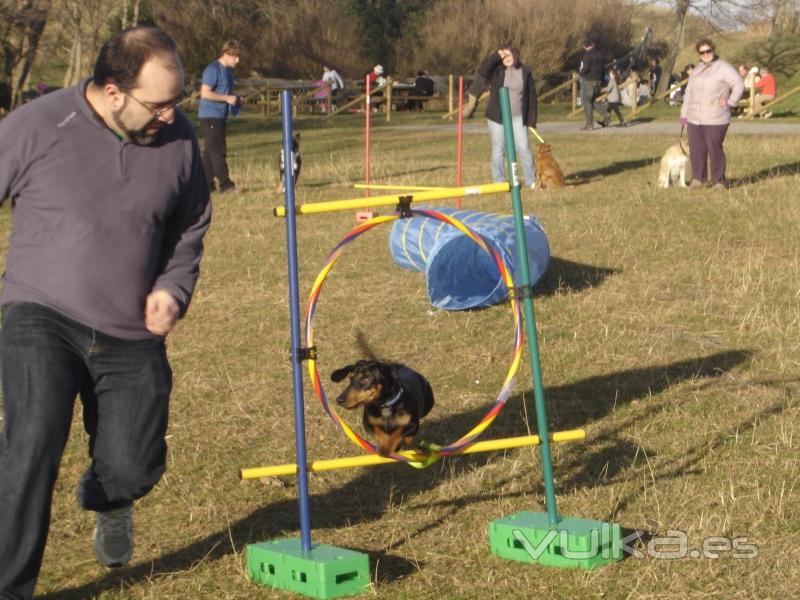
[[662, 22]]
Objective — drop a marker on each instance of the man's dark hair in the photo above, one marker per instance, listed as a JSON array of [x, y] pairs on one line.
[[121, 58], [588, 42]]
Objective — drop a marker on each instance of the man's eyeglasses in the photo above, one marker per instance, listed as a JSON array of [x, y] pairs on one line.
[[706, 51], [159, 109]]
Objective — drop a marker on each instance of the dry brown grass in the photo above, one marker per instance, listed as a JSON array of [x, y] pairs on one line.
[[669, 329]]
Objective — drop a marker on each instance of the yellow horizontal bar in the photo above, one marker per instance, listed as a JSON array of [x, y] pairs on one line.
[[379, 186], [370, 460], [426, 196]]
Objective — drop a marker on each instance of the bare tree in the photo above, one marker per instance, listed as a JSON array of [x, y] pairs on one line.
[[87, 22], [458, 34], [782, 16], [23, 23], [681, 10]]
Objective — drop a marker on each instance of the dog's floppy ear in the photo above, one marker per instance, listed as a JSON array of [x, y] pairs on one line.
[[340, 374]]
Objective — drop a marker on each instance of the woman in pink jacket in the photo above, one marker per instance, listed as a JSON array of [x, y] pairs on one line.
[[714, 87]]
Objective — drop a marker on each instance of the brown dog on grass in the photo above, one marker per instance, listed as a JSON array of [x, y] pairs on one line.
[[548, 174]]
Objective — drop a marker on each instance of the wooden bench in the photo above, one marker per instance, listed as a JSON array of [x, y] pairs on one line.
[[403, 100]]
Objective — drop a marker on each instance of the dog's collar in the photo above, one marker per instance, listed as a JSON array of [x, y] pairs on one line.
[[393, 400]]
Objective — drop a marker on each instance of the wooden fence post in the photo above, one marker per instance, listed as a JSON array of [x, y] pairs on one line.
[[574, 91], [450, 97], [388, 99]]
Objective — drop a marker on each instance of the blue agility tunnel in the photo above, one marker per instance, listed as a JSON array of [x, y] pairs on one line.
[[459, 275]]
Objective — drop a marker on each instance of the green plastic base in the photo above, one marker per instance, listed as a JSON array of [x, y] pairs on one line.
[[571, 543], [324, 572]]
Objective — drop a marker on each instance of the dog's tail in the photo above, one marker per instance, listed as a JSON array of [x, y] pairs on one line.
[[361, 341]]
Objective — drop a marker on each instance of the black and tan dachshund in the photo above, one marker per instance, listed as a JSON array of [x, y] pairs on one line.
[[394, 398]]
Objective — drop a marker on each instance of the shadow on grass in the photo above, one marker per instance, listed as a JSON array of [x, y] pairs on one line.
[[565, 276], [691, 463], [365, 498], [792, 168], [413, 172], [582, 177]]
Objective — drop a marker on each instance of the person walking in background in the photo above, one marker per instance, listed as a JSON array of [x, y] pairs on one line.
[[766, 90], [591, 73], [714, 88], [655, 75], [331, 77], [217, 100], [503, 68], [109, 206], [613, 96]]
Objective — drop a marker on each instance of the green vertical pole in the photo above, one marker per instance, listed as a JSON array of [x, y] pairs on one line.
[[524, 284]]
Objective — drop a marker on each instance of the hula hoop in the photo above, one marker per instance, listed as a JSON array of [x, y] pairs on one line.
[[468, 438]]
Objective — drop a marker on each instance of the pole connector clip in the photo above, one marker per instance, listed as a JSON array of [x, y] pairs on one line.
[[521, 292], [302, 354]]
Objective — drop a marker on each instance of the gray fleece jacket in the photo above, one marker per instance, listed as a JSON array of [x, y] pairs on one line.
[[98, 222], [709, 83]]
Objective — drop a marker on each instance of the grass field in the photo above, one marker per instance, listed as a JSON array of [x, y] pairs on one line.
[[668, 329]]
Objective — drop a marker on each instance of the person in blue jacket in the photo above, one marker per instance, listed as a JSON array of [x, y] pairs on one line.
[[217, 101]]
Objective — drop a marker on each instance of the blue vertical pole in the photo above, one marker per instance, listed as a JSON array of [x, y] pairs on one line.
[[524, 283], [294, 322]]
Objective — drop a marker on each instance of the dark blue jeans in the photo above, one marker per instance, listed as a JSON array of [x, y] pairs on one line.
[[215, 152], [590, 90], [47, 360]]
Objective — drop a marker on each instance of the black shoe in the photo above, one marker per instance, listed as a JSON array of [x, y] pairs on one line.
[[603, 123], [113, 537], [228, 187]]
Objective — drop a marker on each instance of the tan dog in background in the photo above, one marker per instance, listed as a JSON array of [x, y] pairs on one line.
[[673, 167], [548, 173]]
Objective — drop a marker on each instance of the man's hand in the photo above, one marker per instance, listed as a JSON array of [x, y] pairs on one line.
[[161, 312]]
